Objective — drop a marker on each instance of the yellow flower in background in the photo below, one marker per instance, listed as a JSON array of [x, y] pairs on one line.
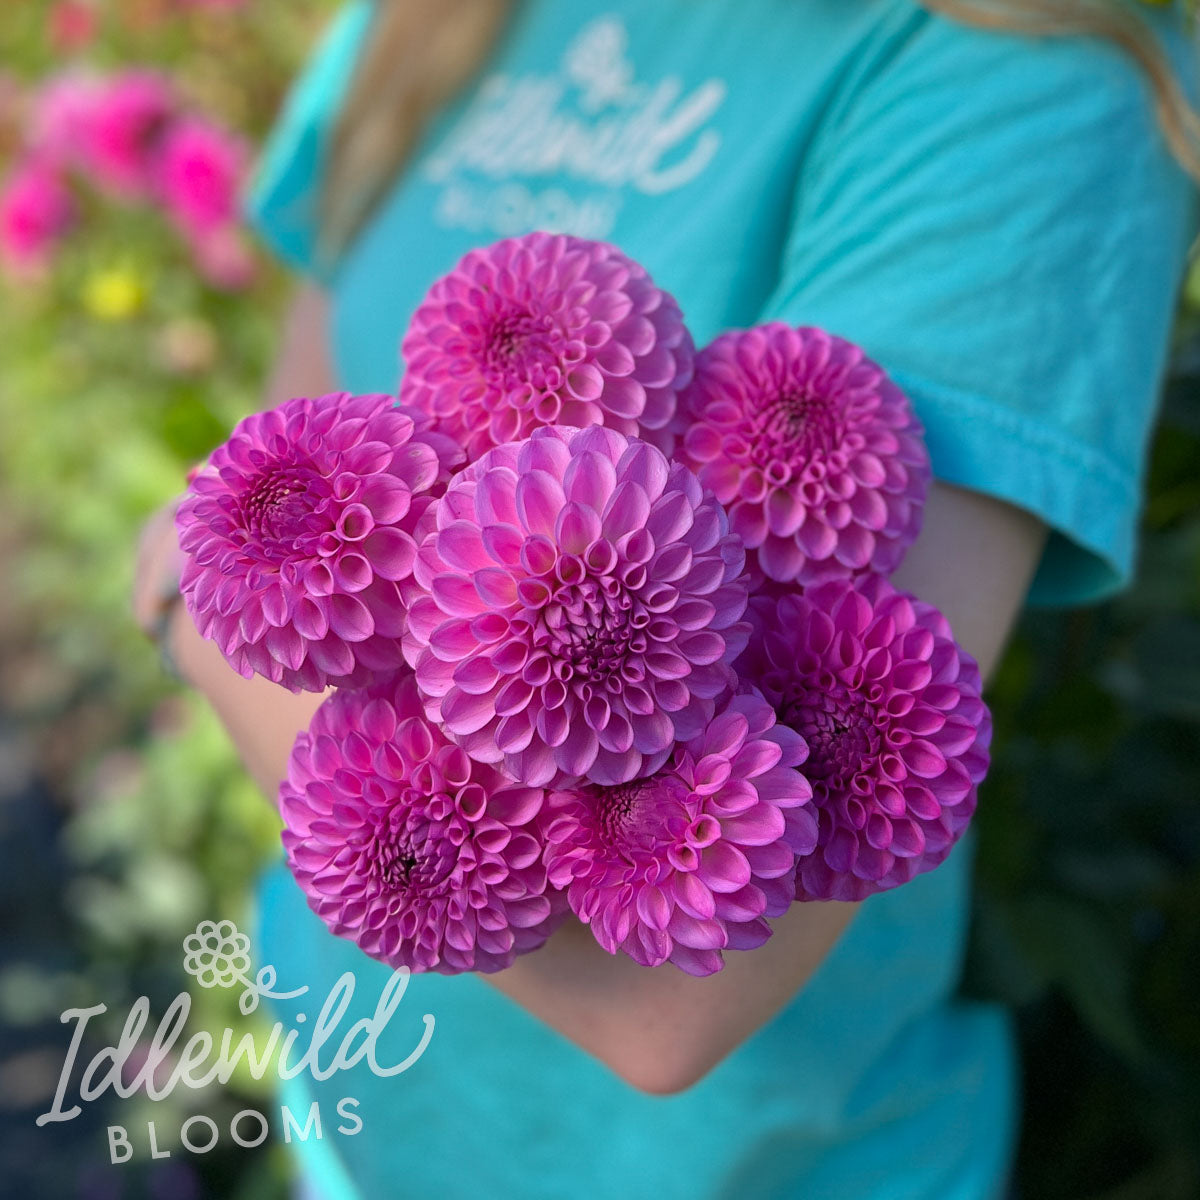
[[113, 293]]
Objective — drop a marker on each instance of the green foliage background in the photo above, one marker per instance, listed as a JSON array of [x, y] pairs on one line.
[[126, 818]]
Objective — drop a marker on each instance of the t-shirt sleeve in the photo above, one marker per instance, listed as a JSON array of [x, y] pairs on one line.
[[997, 221], [284, 196]]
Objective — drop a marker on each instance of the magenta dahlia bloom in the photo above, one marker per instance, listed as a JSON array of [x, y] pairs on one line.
[[401, 843], [580, 602], [815, 452], [298, 536], [36, 212], [61, 118], [688, 862], [199, 171], [543, 330], [890, 707], [132, 111]]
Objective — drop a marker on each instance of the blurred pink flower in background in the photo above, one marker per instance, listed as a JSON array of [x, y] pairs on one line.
[[73, 24], [36, 210], [127, 135], [61, 117], [224, 258], [123, 138], [199, 171]]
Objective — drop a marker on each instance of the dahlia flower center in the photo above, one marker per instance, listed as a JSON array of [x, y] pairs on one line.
[[638, 813], [279, 508], [841, 732], [798, 421], [520, 347], [593, 628], [408, 856]]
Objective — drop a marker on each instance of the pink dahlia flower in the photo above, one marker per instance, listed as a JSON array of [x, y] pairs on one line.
[[688, 862], [543, 330], [401, 843], [298, 535], [36, 211], [131, 114], [815, 452], [199, 171], [582, 600], [890, 707]]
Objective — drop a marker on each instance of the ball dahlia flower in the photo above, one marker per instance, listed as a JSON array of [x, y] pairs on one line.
[[817, 455], [576, 607], [401, 843], [61, 117], [688, 862], [298, 536], [890, 707], [36, 212], [132, 111], [199, 171], [541, 330]]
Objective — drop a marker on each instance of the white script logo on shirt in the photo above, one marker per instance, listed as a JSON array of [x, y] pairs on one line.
[[591, 120]]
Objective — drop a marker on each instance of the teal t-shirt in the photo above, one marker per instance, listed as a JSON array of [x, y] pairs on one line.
[[997, 221]]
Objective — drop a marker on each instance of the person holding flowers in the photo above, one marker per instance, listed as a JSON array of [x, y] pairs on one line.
[[595, 478]]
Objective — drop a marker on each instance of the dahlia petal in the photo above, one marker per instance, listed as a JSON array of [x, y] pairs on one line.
[[724, 868], [350, 618], [578, 750], [539, 499], [627, 509], [697, 934], [464, 713], [698, 963]]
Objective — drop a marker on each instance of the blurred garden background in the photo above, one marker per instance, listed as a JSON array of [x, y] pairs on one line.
[[136, 330]]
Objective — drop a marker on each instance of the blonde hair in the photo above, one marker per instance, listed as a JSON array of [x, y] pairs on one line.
[[421, 52]]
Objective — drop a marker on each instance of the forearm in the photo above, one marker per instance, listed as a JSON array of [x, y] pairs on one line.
[[261, 718], [658, 1028]]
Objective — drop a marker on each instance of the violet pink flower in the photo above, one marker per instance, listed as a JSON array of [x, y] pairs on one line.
[[577, 608], [199, 170], [61, 118], [541, 330], [401, 843], [687, 863], [298, 536], [132, 112], [815, 452], [897, 731], [36, 211]]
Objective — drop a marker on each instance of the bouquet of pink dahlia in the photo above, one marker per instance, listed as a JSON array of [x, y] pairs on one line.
[[608, 621]]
